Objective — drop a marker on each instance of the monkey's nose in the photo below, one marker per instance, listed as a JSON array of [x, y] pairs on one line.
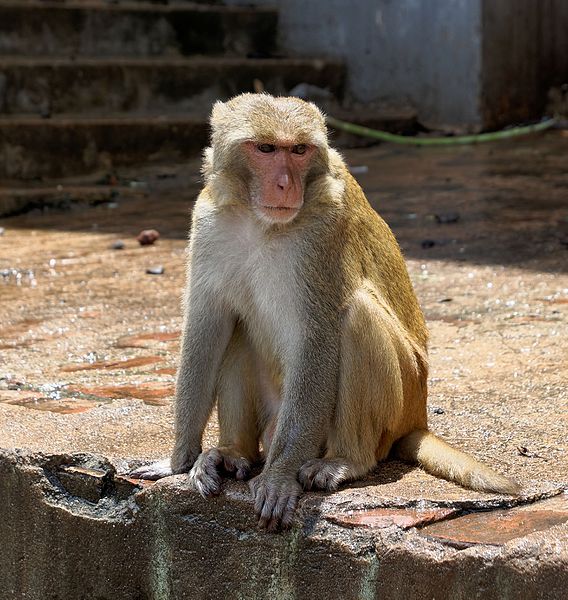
[[283, 181]]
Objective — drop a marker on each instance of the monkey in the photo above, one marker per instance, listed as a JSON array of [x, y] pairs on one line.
[[300, 321]]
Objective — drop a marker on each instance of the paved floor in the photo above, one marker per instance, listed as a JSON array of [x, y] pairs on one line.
[[88, 339]]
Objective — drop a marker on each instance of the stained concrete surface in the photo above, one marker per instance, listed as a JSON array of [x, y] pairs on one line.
[[88, 350]]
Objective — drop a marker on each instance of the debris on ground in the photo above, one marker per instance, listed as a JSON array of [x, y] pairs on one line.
[[445, 218], [157, 270], [147, 237], [359, 169]]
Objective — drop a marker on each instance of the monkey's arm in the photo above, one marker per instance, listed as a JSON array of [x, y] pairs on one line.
[[309, 396], [207, 331], [206, 334]]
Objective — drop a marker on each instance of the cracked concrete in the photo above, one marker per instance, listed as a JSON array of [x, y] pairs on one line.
[[88, 350]]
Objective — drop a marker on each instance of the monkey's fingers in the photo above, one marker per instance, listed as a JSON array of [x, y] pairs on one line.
[[204, 475], [275, 501], [323, 474], [285, 509], [153, 471], [240, 466]]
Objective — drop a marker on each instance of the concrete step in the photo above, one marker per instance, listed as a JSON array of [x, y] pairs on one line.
[[106, 188], [33, 148], [51, 86], [101, 28], [17, 200]]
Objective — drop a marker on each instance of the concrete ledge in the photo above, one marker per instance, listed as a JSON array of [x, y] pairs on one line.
[[73, 528]]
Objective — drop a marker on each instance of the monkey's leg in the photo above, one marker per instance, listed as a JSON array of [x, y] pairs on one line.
[[378, 369], [238, 421]]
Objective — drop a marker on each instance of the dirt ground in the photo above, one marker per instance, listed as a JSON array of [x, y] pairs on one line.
[[89, 339]]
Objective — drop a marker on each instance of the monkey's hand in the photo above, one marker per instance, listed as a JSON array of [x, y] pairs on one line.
[[275, 498], [205, 476]]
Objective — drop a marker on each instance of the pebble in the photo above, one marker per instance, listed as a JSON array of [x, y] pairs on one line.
[[147, 237], [359, 169], [445, 218], [157, 270]]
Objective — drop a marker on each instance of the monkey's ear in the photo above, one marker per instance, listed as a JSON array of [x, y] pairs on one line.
[[220, 112], [226, 129], [207, 165]]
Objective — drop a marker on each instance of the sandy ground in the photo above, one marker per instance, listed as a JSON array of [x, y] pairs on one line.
[[89, 340]]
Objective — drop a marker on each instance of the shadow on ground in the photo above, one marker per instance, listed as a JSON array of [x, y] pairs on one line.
[[504, 203]]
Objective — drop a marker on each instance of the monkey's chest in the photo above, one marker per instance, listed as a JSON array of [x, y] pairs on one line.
[[256, 277], [267, 303], [263, 294]]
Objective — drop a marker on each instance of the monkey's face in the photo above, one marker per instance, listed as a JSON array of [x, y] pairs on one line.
[[278, 174]]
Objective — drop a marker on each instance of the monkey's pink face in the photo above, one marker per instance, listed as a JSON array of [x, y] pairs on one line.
[[279, 173]]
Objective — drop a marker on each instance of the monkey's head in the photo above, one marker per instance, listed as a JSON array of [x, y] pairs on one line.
[[265, 151]]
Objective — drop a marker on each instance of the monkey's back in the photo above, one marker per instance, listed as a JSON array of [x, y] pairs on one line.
[[374, 255]]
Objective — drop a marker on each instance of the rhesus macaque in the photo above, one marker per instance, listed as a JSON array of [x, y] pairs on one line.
[[300, 321]]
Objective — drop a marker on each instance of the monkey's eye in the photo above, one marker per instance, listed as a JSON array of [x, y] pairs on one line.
[[299, 149], [266, 148]]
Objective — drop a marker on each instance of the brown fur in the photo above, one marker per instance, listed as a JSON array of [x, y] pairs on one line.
[[308, 333]]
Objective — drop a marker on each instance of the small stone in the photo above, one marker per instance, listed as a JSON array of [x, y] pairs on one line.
[[2, 230], [109, 179], [446, 218], [147, 237], [359, 169], [118, 245], [137, 185], [308, 91], [157, 270]]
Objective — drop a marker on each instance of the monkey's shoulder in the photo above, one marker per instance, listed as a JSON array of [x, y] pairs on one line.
[[363, 224]]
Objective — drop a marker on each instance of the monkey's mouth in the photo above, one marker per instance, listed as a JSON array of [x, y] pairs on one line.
[[280, 208], [280, 213]]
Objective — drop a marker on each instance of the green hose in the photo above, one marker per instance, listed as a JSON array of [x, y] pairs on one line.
[[440, 141]]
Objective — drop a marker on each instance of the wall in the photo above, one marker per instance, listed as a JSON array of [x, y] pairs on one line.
[[524, 52], [467, 64], [425, 53]]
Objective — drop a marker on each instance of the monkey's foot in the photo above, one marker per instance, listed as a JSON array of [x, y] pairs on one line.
[[275, 500], [326, 473], [205, 476], [153, 471]]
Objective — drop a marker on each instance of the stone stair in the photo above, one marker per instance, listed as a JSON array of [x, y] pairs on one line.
[[94, 85]]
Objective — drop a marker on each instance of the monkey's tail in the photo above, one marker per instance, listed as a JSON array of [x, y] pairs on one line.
[[442, 460]]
